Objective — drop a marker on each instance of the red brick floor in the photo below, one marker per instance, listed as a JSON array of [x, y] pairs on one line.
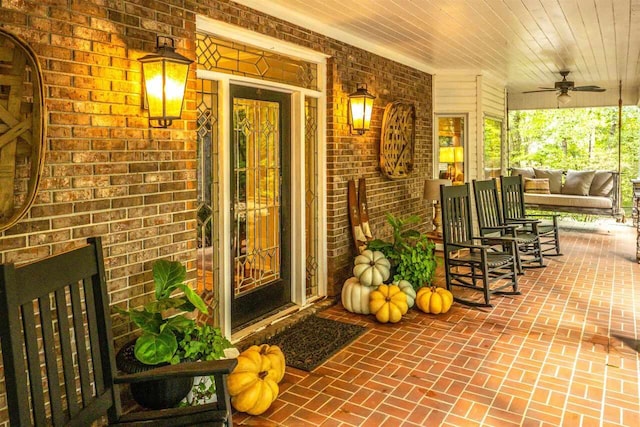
[[564, 353]]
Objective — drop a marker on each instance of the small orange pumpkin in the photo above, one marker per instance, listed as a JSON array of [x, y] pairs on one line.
[[434, 300], [388, 303], [274, 354], [253, 385]]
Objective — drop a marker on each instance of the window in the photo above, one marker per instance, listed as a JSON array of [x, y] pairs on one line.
[[492, 137], [451, 148]]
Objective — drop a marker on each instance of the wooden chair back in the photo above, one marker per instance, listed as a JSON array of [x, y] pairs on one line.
[[512, 197], [56, 339], [456, 214], [487, 204]]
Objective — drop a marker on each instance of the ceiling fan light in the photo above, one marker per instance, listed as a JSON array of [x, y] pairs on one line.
[[564, 98]]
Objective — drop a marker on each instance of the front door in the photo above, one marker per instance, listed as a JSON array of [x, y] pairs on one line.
[[260, 203]]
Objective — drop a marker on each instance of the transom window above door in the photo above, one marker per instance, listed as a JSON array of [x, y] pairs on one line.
[[218, 54]]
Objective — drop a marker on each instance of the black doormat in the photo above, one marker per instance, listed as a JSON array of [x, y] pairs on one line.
[[313, 340]]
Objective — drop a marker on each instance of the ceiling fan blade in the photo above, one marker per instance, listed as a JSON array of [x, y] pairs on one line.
[[541, 90], [589, 89]]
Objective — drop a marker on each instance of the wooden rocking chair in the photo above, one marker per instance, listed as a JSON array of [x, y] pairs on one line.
[[57, 349], [513, 211], [483, 264], [491, 222]]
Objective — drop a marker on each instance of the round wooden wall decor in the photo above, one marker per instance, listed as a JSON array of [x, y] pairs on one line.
[[22, 128], [397, 142]]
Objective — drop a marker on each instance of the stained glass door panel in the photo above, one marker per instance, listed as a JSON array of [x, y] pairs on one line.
[[260, 203]]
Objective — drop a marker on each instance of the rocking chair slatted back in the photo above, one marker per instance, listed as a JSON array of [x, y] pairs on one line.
[[512, 196], [487, 205], [58, 356], [458, 227], [52, 306]]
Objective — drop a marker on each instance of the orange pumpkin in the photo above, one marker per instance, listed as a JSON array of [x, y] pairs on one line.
[[253, 385], [434, 300], [388, 303], [275, 355]]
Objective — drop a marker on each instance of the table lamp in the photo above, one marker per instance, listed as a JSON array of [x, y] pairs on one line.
[[447, 155], [458, 157], [432, 193]]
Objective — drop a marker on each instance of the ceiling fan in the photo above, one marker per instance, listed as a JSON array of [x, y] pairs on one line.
[[564, 86]]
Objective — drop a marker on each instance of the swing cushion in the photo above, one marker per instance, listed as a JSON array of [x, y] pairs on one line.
[[602, 184], [578, 183], [539, 186], [554, 176]]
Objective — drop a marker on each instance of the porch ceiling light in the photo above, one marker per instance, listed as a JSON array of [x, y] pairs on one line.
[[360, 108], [564, 98], [165, 78]]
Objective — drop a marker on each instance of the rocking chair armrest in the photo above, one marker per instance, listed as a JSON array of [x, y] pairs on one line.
[[492, 241], [508, 227], [468, 245], [186, 369], [523, 221]]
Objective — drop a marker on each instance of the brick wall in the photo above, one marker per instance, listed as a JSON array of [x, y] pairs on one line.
[[353, 157], [107, 173]]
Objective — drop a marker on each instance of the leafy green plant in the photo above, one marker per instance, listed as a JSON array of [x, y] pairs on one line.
[[403, 238], [203, 342], [162, 321], [418, 263], [204, 388]]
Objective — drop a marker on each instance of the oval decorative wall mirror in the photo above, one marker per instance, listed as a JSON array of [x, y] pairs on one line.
[[22, 128]]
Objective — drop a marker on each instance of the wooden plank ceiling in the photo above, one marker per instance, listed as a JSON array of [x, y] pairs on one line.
[[520, 43]]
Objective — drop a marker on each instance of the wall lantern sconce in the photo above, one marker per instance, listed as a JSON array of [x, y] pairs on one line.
[[165, 79], [360, 108]]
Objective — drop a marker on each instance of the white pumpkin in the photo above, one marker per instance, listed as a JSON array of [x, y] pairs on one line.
[[407, 288], [371, 268], [355, 296]]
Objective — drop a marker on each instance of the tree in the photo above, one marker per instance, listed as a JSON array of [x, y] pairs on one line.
[[578, 139]]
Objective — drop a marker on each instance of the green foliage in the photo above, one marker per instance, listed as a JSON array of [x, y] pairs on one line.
[[203, 342], [492, 138], [403, 239], [164, 333], [579, 139], [410, 252], [202, 391], [418, 263]]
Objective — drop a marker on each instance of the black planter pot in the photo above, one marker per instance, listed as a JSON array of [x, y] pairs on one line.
[[156, 394]]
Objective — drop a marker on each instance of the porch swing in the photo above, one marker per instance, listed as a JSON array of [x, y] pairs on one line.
[[592, 192]]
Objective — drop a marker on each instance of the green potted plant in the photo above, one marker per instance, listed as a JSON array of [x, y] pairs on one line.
[[410, 252], [168, 336], [204, 342], [418, 263]]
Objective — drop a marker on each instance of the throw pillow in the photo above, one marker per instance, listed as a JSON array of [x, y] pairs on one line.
[[602, 184], [525, 172], [578, 183], [554, 176], [538, 186]]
